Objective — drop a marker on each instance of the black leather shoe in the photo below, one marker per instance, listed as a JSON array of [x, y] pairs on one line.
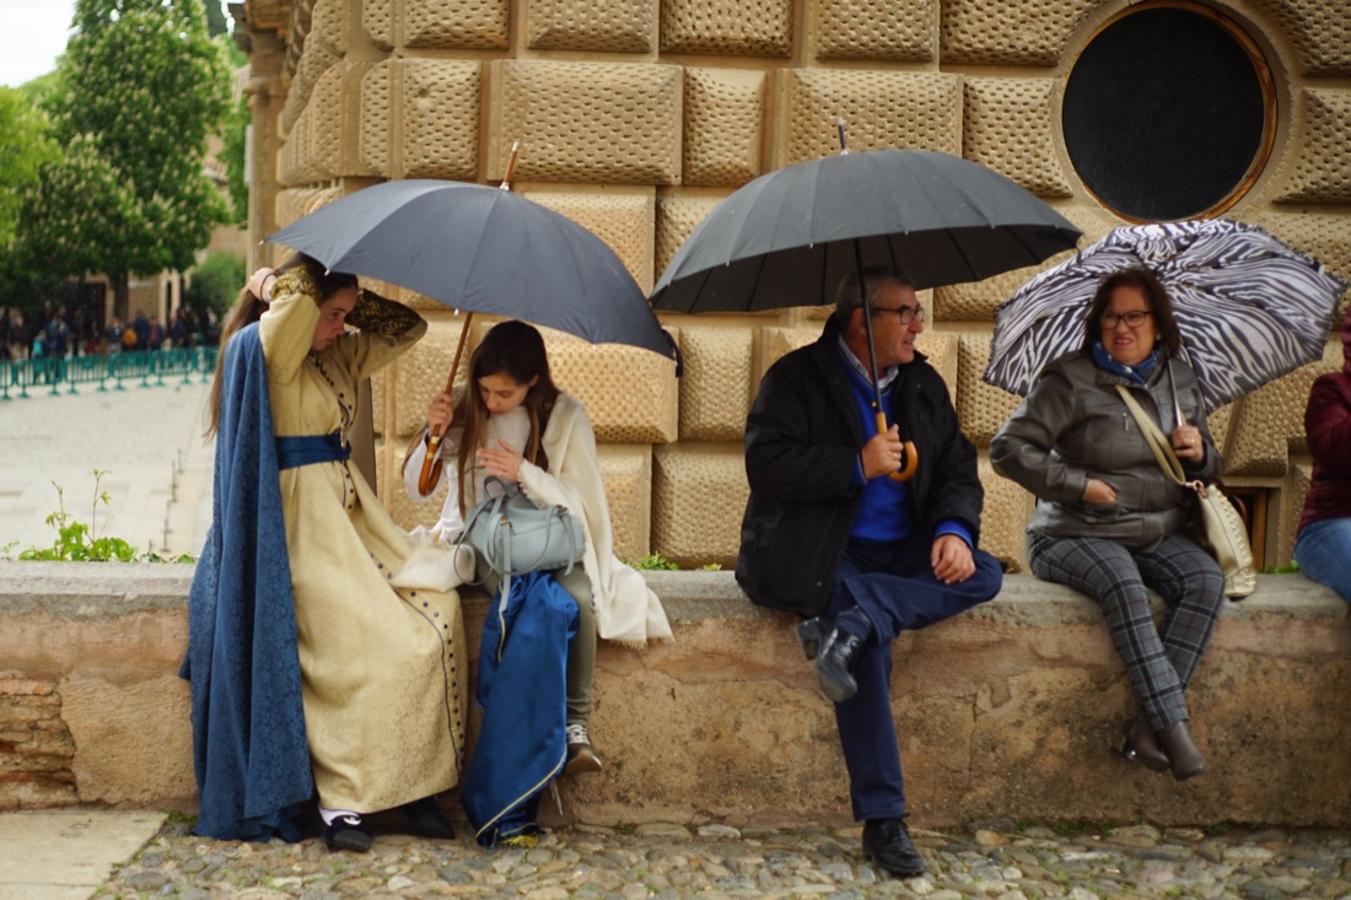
[[1186, 760], [427, 819], [811, 634], [347, 833], [834, 665], [887, 843], [1141, 746]]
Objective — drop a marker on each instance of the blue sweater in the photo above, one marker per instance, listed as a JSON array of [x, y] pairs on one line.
[[885, 513]]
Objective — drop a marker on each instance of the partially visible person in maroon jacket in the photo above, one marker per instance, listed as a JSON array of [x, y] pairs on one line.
[[1323, 548]]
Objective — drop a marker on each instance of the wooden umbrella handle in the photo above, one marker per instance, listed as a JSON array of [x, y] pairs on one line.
[[909, 455], [430, 474]]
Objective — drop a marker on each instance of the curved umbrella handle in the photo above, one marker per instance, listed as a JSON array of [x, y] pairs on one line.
[[909, 455], [431, 467], [910, 462]]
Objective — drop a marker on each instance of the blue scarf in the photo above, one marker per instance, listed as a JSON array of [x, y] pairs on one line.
[[522, 690], [248, 722], [1137, 373]]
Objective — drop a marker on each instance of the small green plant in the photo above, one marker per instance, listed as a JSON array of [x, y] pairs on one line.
[[655, 561], [77, 541], [1290, 568], [711, 567]]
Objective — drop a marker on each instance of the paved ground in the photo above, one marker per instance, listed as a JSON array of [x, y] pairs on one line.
[[148, 439], [60, 854], [1000, 860]]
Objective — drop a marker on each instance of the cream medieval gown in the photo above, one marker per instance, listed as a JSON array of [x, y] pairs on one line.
[[384, 670]]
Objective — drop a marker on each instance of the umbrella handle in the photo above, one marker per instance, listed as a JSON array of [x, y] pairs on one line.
[[431, 467], [909, 455], [431, 463]]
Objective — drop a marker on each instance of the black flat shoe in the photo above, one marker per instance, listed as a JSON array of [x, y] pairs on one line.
[[811, 634], [427, 819], [887, 843], [1141, 746], [835, 663], [347, 833]]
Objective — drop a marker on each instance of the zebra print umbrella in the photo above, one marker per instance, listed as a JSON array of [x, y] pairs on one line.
[[1250, 309]]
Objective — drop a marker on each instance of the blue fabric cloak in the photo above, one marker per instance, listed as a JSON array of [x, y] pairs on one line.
[[522, 689], [248, 721]]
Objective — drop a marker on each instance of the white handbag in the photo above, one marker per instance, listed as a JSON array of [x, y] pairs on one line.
[[1220, 528]]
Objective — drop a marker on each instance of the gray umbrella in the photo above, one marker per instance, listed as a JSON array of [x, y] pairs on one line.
[[789, 237], [483, 249]]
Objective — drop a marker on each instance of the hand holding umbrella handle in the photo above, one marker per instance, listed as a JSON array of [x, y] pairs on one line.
[[909, 455], [431, 463]]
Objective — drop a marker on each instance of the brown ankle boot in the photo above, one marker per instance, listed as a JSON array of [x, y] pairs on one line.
[[1140, 745], [1176, 742]]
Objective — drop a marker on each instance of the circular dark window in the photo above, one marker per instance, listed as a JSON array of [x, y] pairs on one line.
[[1169, 112]]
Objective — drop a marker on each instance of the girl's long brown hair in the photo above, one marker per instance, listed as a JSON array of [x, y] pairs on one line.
[[517, 350], [249, 309]]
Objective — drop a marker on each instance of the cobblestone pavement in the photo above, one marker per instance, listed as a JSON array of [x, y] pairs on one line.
[[999, 860]]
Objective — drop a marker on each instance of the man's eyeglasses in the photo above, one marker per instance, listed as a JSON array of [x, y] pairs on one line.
[[1134, 319], [906, 314]]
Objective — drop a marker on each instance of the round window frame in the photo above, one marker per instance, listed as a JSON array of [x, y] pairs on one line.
[[1266, 85]]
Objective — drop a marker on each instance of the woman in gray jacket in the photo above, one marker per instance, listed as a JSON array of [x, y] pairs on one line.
[[1108, 521]]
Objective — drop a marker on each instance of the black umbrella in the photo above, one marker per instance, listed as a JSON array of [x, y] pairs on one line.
[[787, 238], [482, 249]]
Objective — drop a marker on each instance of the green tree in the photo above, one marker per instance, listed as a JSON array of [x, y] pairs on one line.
[[215, 284], [141, 88], [24, 146]]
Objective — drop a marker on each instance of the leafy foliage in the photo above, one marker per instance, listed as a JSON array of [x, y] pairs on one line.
[[77, 541], [232, 154], [25, 145], [215, 284], [655, 562], [141, 88]]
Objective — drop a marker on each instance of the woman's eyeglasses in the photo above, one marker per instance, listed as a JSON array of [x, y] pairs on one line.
[[1134, 319], [906, 314]]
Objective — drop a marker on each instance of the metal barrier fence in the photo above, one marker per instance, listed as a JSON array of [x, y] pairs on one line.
[[52, 375]]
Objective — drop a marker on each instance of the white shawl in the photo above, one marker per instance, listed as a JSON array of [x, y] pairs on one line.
[[627, 612]]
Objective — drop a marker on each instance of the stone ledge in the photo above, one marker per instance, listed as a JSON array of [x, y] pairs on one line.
[[1007, 710], [94, 590]]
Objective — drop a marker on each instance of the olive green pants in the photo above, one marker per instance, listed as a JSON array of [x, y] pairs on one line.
[[582, 652]]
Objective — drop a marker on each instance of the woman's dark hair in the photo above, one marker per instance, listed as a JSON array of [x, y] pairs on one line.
[[1160, 306], [516, 350], [249, 309]]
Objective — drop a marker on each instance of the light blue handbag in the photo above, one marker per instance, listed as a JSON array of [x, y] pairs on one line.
[[514, 536]]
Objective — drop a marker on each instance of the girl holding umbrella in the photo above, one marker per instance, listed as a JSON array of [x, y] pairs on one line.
[[1108, 521]]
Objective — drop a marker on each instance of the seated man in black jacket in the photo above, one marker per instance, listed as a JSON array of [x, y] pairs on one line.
[[859, 555]]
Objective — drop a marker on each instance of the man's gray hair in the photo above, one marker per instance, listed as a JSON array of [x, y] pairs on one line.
[[847, 298]]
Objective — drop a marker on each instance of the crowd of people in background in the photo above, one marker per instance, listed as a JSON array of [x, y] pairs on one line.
[[71, 330]]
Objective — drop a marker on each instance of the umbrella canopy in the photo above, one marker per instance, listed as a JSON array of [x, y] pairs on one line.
[[1249, 308], [789, 237], [483, 249]]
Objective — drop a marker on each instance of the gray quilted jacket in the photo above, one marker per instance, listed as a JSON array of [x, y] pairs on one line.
[[1074, 426]]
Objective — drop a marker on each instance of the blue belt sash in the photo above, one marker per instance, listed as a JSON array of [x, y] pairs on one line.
[[311, 448]]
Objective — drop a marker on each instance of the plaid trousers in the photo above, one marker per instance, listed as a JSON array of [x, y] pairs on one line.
[[1159, 662]]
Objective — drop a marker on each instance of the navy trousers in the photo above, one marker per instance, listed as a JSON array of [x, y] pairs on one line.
[[894, 585]]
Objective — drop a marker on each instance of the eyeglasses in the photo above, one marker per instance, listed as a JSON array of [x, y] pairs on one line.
[[906, 314], [1134, 319]]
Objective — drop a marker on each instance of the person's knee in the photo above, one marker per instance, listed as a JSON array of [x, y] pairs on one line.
[[985, 583]]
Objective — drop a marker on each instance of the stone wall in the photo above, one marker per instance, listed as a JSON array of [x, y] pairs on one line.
[[1008, 710], [637, 117]]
